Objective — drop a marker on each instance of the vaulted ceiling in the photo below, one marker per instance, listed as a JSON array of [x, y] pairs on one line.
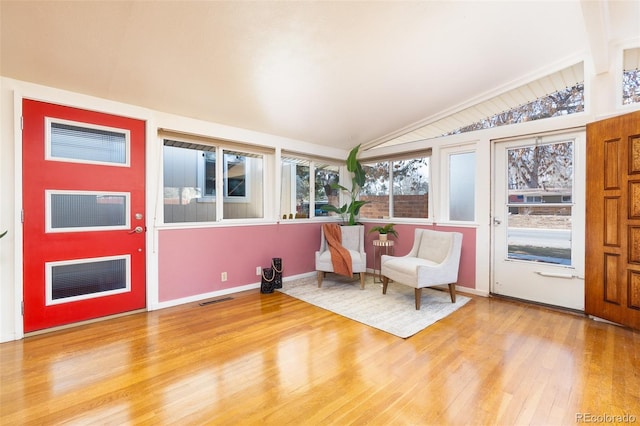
[[334, 73]]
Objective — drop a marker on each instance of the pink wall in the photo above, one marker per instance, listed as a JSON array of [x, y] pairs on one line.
[[404, 242], [191, 260]]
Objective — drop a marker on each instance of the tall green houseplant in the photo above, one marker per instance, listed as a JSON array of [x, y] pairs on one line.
[[350, 209]]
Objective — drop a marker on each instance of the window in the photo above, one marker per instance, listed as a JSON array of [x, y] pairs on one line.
[[194, 185], [397, 188], [563, 102], [79, 279], [326, 175], [234, 177], [462, 186], [81, 143], [557, 94], [298, 175], [207, 174], [376, 190], [236, 187], [294, 195], [631, 76], [540, 189], [77, 211]]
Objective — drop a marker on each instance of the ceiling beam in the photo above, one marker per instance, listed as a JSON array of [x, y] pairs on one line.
[[596, 21]]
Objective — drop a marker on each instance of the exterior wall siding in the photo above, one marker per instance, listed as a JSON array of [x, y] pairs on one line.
[[405, 206]]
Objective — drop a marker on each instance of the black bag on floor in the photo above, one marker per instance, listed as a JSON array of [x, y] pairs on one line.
[[268, 281], [276, 264]]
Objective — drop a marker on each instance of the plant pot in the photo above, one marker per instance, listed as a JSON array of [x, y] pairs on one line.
[[382, 237]]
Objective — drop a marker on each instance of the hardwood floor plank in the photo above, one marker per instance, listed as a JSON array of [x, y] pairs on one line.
[[272, 359]]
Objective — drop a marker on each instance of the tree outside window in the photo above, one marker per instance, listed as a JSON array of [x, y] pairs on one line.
[[398, 188], [631, 76], [325, 176], [297, 200]]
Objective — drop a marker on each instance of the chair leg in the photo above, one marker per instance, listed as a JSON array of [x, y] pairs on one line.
[[452, 291], [361, 280], [385, 282], [320, 277], [418, 292]]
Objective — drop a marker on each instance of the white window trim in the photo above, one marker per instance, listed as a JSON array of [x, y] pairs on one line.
[[47, 140], [444, 163], [390, 160], [219, 147], [618, 75], [49, 279], [246, 198], [313, 162], [341, 169], [50, 230], [201, 176]]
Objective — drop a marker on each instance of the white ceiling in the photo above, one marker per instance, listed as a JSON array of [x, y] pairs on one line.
[[335, 73]]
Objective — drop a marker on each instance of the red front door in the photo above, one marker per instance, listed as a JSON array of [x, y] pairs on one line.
[[83, 214]]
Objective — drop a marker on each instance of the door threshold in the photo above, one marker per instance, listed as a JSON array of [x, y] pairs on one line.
[[80, 323], [540, 304]]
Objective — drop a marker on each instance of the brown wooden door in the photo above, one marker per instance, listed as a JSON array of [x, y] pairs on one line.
[[613, 220]]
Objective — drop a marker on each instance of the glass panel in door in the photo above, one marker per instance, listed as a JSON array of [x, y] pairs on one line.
[[540, 202]]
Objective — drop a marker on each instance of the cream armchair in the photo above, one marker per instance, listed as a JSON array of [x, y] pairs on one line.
[[433, 260], [352, 240]]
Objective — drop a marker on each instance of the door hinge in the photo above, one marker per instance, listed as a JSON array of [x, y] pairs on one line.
[[21, 122], [22, 308], [22, 216]]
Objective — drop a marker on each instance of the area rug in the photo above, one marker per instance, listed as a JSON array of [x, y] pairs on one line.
[[394, 312]]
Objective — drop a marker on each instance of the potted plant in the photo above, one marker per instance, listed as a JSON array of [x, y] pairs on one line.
[[383, 231], [351, 209]]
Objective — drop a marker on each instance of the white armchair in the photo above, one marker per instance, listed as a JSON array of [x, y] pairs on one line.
[[352, 240], [433, 260]]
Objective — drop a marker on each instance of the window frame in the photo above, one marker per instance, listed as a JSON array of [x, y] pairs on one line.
[[48, 142], [620, 78], [390, 159], [445, 154], [49, 267], [219, 147], [246, 196], [202, 176], [50, 193], [312, 163]]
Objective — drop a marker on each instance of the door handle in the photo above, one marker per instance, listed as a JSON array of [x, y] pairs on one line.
[[136, 230], [496, 221]]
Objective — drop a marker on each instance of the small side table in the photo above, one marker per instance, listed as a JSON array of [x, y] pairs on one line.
[[378, 246]]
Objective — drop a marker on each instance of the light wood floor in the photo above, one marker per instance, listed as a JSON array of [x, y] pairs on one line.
[[271, 359]]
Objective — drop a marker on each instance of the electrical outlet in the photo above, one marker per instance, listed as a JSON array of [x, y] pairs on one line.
[[258, 270], [223, 276]]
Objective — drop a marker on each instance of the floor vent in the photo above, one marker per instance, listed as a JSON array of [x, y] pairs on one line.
[[210, 302]]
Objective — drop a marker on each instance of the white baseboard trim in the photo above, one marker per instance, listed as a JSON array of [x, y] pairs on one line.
[[203, 296], [253, 286], [224, 292], [473, 291]]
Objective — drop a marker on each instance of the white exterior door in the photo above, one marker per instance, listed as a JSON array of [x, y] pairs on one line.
[[538, 219]]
